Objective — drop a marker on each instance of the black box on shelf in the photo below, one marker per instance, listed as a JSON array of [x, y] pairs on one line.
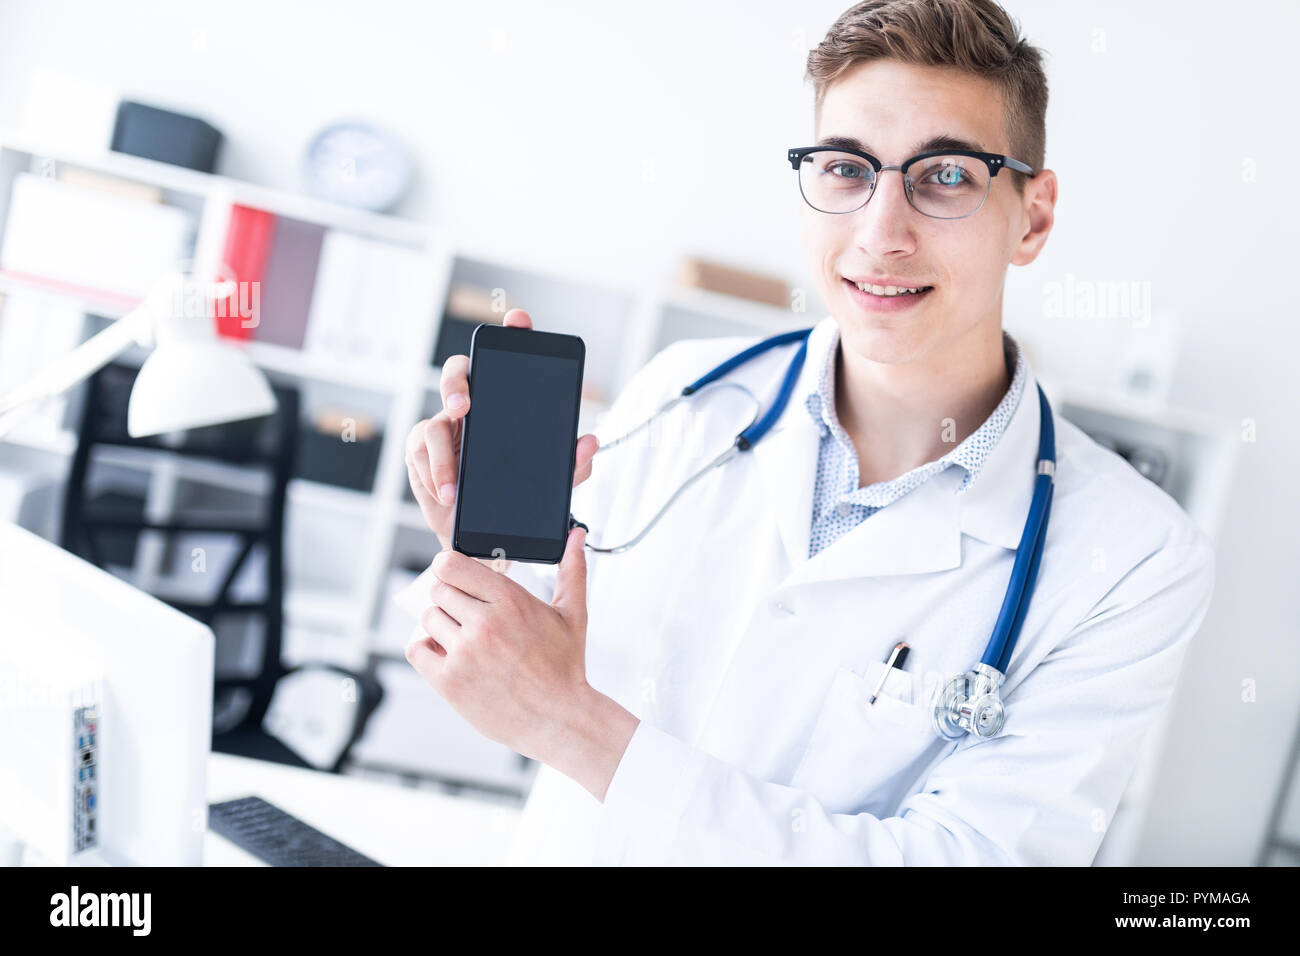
[[329, 456], [165, 136]]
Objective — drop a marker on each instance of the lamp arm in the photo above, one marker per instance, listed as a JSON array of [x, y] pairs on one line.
[[134, 328]]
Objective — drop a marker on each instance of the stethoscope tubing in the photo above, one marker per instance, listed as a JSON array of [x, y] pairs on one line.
[[1024, 571]]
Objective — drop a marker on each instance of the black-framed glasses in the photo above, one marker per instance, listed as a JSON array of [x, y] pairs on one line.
[[942, 184]]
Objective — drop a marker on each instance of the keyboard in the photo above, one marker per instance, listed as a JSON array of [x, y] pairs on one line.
[[278, 838]]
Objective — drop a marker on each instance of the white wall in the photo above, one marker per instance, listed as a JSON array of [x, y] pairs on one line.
[[672, 119]]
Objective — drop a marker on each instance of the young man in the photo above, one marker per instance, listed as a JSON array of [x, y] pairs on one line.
[[719, 693]]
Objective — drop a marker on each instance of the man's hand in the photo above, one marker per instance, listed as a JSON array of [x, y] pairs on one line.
[[433, 445], [515, 667]]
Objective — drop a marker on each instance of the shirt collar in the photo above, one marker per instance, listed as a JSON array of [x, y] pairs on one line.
[[818, 389]]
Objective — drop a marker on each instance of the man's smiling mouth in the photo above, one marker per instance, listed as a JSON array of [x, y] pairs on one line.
[[887, 289]]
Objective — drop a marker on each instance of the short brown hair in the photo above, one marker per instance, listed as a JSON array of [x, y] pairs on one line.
[[976, 36]]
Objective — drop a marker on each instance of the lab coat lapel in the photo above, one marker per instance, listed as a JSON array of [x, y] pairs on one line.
[[786, 460], [995, 505], [786, 457], [920, 532]]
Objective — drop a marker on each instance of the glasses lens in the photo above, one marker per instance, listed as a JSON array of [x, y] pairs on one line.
[[948, 187], [835, 182]]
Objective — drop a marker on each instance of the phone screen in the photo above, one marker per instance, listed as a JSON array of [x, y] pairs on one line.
[[519, 439]]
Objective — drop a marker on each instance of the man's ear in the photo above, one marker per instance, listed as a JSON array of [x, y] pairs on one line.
[[1039, 204]]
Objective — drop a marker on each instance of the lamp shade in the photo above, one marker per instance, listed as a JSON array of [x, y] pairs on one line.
[[193, 383]]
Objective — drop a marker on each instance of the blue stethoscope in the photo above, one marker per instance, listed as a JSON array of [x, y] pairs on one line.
[[969, 703]]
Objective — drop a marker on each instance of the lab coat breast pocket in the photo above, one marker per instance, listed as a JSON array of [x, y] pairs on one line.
[[865, 757]]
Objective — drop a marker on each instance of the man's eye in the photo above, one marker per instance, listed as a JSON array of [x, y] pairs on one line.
[[947, 175], [847, 170]]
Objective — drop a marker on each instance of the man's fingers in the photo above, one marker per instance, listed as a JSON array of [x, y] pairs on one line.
[[587, 446], [571, 578], [442, 627], [429, 507], [441, 452], [417, 455], [427, 657], [518, 319], [474, 577], [459, 606], [454, 385]]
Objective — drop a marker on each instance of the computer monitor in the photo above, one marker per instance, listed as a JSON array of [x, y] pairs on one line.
[[105, 713]]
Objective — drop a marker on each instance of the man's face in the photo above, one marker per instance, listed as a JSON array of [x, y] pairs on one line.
[[892, 109]]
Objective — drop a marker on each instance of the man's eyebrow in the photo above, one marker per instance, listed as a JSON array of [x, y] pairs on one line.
[[942, 141]]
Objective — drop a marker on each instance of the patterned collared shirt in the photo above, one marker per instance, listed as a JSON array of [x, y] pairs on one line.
[[839, 504]]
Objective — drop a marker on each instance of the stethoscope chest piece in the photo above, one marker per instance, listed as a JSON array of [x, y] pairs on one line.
[[970, 704]]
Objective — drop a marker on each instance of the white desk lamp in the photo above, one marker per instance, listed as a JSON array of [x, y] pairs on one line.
[[191, 378]]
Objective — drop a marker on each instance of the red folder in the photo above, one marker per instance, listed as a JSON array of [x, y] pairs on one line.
[[248, 246]]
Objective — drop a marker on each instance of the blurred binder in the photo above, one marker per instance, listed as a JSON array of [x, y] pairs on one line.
[[290, 278], [361, 305], [248, 246]]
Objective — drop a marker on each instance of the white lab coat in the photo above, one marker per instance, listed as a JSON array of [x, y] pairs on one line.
[[750, 664]]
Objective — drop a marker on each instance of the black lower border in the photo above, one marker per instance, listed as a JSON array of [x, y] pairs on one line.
[[332, 906]]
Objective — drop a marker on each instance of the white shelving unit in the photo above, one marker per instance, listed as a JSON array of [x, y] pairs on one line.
[[336, 613]]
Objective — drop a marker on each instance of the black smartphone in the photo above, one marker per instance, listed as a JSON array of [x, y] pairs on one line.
[[517, 444]]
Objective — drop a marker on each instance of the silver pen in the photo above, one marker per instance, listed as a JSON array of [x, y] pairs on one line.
[[896, 659]]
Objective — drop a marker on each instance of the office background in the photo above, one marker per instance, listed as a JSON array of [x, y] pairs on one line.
[[607, 141]]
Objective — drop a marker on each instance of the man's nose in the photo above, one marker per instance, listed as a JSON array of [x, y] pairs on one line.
[[885, 226]]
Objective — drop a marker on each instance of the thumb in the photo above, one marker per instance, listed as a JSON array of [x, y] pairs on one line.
[[571, 578]]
